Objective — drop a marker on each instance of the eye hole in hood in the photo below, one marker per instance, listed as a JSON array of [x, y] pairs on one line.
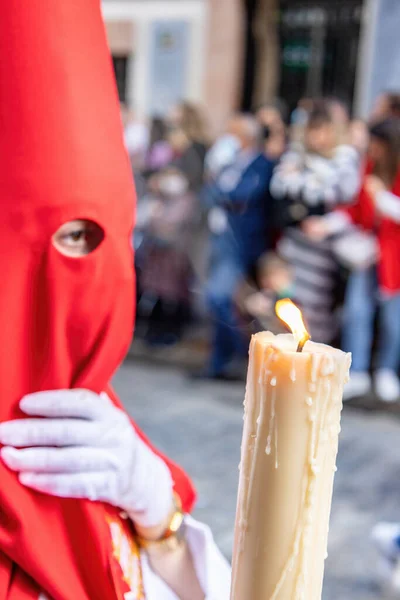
[[78, 238]]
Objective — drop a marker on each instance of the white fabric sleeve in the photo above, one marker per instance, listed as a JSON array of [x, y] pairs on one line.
[[299, 181], [348, 165], [337, 222], [388, 205], [212, 569]]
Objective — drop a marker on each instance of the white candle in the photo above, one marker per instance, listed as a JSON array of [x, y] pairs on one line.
[[291, 425]]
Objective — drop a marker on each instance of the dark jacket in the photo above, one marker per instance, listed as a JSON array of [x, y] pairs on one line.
[[242, 191]]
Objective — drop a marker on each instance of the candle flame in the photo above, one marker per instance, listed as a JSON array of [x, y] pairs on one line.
[[291, 315]]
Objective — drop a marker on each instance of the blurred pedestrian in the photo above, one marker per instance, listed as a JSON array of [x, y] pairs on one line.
[[188, 135], [312, 180], [190, 118], [378, 211], [165, 268], [89, 510], [188, 156], [238, 222], [374, 267]]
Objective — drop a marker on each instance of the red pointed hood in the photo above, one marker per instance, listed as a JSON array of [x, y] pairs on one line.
[[64, 322]]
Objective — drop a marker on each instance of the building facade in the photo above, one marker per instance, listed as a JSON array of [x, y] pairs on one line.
[[208, 51], [165, 51], [379, 57]]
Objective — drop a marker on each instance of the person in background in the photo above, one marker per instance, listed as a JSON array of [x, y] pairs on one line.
[[189, 117], [272, 120], [166, 253], [377, 210], [238, 222], [159, 152], [313, 180], [186, 120], [256, 303], [163, 258], [188, 157], [377, 213]]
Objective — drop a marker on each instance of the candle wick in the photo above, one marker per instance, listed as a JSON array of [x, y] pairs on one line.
[[302, 342]]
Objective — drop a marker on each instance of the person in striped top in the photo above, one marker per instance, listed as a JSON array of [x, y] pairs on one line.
[[312, 179]]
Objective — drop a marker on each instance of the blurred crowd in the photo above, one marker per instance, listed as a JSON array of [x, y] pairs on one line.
[[303, 205]]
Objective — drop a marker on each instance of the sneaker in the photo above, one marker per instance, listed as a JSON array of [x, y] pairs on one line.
[[387, 385], [358, 386]]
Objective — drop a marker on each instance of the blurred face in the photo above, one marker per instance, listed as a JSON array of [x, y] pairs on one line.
[[178, 139], [377, 151], [277, 279], [173, 183], [245, 134], [269, 117], [321, 139]]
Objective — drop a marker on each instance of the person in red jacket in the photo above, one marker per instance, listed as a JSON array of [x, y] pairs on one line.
[[89, 510], [377, 212]]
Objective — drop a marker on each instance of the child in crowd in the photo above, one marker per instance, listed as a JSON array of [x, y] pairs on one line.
[[257, 304], [313, 179]]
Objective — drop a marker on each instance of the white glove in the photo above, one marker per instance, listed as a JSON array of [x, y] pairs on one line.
[[86, 448]]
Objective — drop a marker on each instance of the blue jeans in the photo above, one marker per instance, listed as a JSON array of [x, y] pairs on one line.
[[362, 298], [227, 340]]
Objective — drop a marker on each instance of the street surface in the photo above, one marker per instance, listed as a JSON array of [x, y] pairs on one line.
[[200, 426]]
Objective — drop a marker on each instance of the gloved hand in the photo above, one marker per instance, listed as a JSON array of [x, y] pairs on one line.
[[86, 448]]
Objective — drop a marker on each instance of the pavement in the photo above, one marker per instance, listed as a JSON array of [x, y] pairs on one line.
[[200, 426]]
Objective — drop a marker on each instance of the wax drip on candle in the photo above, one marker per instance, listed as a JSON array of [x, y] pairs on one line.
[[255, 437], [318, 412], [276, 443], [295, 575], [293, 370], [271, 428]]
